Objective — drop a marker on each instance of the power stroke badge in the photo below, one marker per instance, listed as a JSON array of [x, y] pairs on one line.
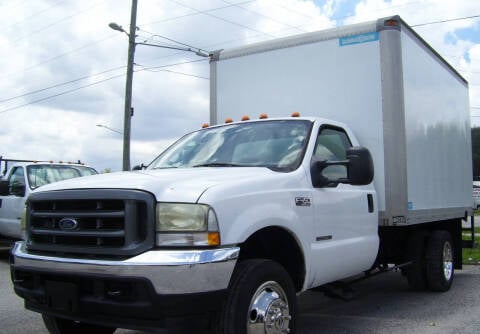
[[302, 201]]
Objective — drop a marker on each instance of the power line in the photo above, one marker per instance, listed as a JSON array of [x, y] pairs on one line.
[[94, 83], [146, 68], [199, 12], [172, 40], [290, 10], [111, 36], [60, 94], [443, 21], [262, 15], [34, 14], [60, 84], [180, 73], [220, 18], [49, 60], [57, 22]]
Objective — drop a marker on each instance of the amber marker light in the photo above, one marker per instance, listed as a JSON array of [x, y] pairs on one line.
[[205, 125], [295, 114], [245, 118], [228, 120], [391, 23], [263, 116], [213, 238]]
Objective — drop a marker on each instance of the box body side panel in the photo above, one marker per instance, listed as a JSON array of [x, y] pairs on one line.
[[437, 124], [323, 79]]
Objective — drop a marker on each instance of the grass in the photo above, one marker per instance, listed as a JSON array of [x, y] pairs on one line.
[[472, 255]]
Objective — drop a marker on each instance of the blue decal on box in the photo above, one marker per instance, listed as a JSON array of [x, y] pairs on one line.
[[358, 39]]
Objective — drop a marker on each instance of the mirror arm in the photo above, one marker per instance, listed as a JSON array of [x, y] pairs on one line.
[[326, 163], [327, 182]]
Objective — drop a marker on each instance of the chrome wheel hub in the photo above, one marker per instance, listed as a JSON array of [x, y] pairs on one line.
[[447, 261], [268, 312]]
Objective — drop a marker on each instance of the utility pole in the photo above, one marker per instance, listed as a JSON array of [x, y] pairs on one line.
[[128, 87]]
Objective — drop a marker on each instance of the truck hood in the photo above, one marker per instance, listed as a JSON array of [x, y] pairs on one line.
[[171, 185]]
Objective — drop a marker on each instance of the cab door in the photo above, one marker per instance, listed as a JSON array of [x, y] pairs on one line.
[[346, 225], [12, 205]]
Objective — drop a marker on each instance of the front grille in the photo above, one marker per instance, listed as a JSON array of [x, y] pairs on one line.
[[91, 222]]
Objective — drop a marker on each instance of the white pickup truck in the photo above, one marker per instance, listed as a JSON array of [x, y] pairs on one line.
[[20, 178], [233, 220]]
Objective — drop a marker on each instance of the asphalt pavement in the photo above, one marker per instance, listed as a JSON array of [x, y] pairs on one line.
[[383, 304]]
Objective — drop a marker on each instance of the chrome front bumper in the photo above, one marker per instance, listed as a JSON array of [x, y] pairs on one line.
[[169, 271]]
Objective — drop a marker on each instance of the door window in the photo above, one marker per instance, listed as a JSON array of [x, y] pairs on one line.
[[16, 180], [332, 144]]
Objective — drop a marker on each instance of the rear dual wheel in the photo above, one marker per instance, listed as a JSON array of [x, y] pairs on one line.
[[439, 261], [432, 261]]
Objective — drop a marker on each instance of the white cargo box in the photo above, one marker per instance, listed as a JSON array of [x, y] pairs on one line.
[[404, 102]]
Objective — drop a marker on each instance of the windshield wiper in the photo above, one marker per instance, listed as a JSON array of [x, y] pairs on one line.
[[169, 167], [220, 164]]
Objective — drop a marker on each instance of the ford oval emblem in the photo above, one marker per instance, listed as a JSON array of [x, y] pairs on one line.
[[68, 224]]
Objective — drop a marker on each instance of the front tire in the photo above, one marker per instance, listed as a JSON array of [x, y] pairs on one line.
[[440, 262], [261, 300], [56, 325]]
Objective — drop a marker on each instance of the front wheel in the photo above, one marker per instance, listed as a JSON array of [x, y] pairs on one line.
[[439, 258], [261, 300], [56, 325]]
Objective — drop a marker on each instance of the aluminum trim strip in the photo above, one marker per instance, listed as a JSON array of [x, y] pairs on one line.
[[301, 39]]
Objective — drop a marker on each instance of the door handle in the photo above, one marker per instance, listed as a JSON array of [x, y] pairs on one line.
[[370, 203]]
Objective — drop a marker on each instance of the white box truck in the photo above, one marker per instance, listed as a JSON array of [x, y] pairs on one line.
[[233, 220]]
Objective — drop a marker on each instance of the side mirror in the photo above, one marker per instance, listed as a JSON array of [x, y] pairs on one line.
[[359, 165], [18, 189], [139, 167], [4, 188]]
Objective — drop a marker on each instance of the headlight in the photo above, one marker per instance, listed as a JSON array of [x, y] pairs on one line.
[[180, 224]]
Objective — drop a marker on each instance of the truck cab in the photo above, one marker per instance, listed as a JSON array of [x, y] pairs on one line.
[[286, 196], [20, 178]]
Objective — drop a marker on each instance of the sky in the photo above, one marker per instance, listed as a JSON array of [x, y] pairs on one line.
[[63, 69]]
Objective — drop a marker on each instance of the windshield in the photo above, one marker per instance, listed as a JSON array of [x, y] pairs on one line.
[[38, 175], [278, 145]]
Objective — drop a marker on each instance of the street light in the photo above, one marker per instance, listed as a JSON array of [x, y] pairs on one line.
[[108, 128], [116, 27], [128, 85]]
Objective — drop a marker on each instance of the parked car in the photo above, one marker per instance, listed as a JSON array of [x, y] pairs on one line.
[[476, 196], [20, 178]]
